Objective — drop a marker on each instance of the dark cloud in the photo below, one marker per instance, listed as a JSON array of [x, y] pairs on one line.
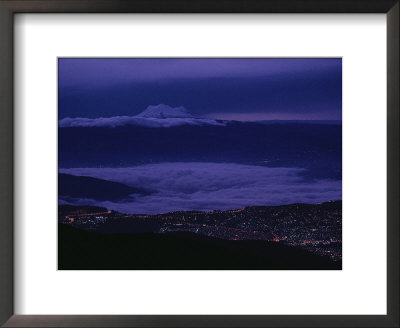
[[95, 72], [210, 186], [283, 88]]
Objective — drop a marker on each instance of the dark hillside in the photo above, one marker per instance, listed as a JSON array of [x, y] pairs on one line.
[[87, 250], [88, 187]]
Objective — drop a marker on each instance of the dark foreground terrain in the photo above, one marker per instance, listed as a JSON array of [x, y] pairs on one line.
[[89, 250], [314, 227]]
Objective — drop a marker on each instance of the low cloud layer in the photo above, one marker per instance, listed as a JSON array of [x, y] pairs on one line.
[[159, 116], [209, 186], [132, 120]]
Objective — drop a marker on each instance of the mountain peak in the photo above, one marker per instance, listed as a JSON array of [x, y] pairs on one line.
[[165, 111]]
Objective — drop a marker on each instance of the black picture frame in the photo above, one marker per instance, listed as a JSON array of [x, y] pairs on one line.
[[10, 7]]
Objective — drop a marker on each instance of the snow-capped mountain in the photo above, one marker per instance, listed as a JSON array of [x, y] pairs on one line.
[[164, 111], [153, 116]]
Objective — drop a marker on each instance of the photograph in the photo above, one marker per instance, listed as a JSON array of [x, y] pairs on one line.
[[199, 163]]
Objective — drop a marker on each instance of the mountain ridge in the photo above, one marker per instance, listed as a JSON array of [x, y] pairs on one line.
[[78, 186]]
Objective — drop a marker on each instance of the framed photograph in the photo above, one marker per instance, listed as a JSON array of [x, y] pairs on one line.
[[250, 180], [199, 164]]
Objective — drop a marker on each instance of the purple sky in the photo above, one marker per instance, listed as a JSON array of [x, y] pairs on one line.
[[243, 89]]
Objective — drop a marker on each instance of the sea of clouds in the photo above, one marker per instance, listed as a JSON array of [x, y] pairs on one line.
[[208, 186]]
